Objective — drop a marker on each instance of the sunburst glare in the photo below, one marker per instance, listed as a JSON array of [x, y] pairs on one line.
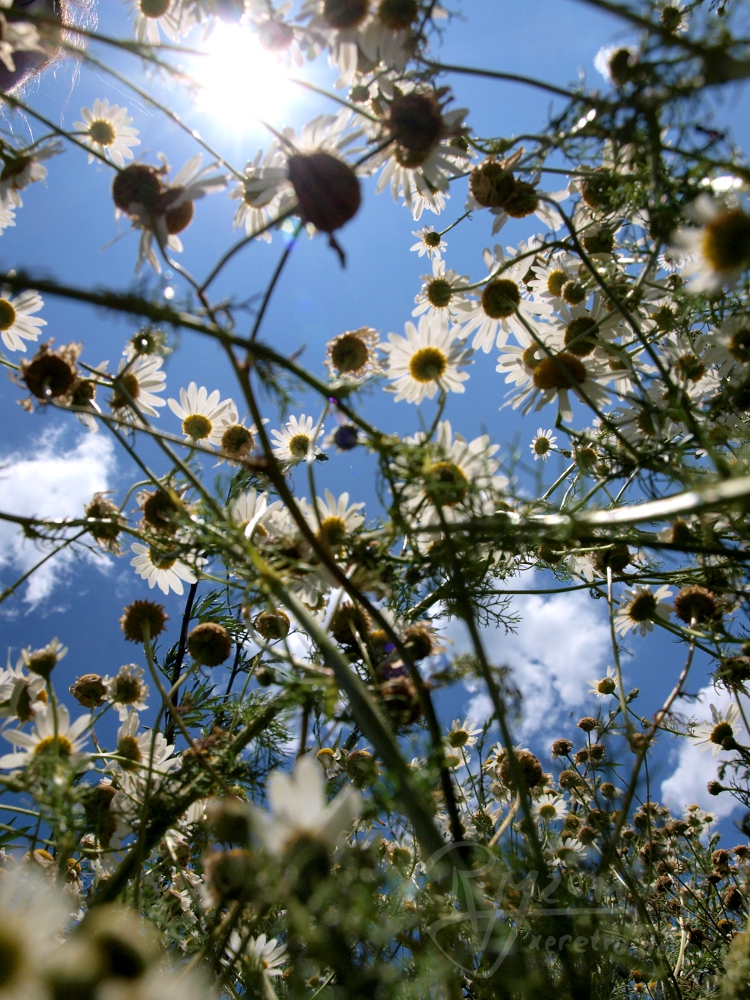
[[241, 81]]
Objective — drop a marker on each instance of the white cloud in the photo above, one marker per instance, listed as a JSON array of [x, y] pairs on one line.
[[560, 644], [51, 483], [687, 783]]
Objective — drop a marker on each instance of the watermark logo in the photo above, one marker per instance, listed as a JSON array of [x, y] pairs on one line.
[[496, 930]]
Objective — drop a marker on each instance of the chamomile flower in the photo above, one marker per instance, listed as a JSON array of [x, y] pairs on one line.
[[238, 442], [204, 416], [719, 251], [424, 186], [21, 167], [55, 735], [127, 691], [299, 808], [153, 16], [541, 446], [428, 358], [551, 276], [247, 509], [640, 608], [334, 521], [17, 320], [297, 442], [353, 355], [462, 734], [442, 295], [161, 569], [140, 379], [711, 735], [106, 129], [262, 953], [141, 753], [549, 808], [458, 477], [429, 242], [553, 377], [603, 687], [503, 307]]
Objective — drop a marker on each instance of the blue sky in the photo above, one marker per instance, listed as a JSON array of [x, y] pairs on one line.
[[67, 229]]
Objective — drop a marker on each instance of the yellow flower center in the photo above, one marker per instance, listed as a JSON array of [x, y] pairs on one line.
[[721, 732], [60, 746], [643, 608], [428, 364], [547, 812], [154, 8], [126, 384], [349, 353], [197, 426], [458, 738], [127, 690], [439, 293], [237, 440], [7, 315], [333, 532], [606, 686], [541, 446], [129, 748], [101, 132], [555, 282], [299, 445], [581, 336], [159, 561], [446, 484], [726, 241], [560, 372], [530, 356], [501, 298]]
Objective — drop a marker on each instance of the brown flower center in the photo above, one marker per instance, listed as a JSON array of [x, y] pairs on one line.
[[501, 298], [7, 315], [428, 364], [726, 241], [101, 132], [559, 372]]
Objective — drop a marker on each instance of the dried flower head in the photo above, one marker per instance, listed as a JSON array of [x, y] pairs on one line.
[[142, 618], [209, 644], [695, 604], [89, 690]]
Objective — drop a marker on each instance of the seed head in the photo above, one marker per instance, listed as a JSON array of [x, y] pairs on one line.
[[137, 184], [530, 768], [89, 690], [141, 615], [327, 190], [695, 603], [51, 374], [209, 644], [491, 183], [273, 624]]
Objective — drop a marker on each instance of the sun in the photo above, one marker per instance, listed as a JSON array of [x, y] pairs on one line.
[[241, 81]]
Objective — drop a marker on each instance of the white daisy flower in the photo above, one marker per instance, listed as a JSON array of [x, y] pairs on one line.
[[17, 36], [429, 242], [711, 735], [22, 167], [603, 687], [141, 378], [265, 954], [172, 210], [299, 808], [127, 691], [17, 320], [248, 509], [53, 737], [33, 913], [7, 217], [541, 378], [541, 445], [428, 358], [267, 184], [549, 808], [719, 251], [152, 15], [166, 572], [458, 477], [424, 186], [640, 608], [136, 753], [462, 734], [550, 276], [204, 417], [21, 694], [441, 295], [297, 442], [334, 521], [503, 302], [106, 130]]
